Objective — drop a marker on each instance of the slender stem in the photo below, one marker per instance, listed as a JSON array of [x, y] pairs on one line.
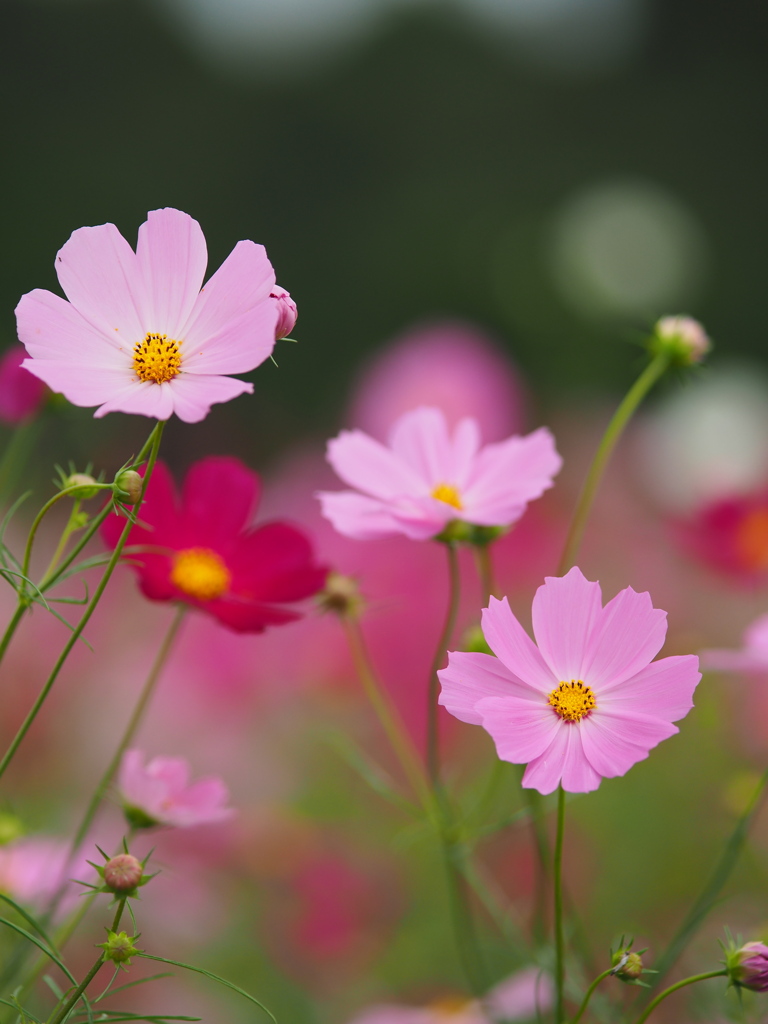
[[558, 884], [484, 564], [652, 372], [130, 730], [433, 721], [673, 988], [57, 1018], [388, 715], [51, 577], [18, 615], [712, 889], [77, 631], [588, 995], [541, 863], [461, 912], [66, 492], [69, 529]]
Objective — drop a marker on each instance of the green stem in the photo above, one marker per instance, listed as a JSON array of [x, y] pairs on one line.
[[157, 434], [652, 372], [673, 988], [484, 564], [67, 532], [18, 615], [51, 577], [433, 709], [588, 995], [461, 913], [65, 1010], [558, 885], [388, 715], [131, 728], [712, 889], [541, 863]]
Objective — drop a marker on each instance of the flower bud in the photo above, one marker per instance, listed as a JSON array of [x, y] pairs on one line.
[[748, 966], [682, 338], [119, 948], [129, 483], [340, 595], [626, 965], [86, 486], [287, 313], [123, 873]]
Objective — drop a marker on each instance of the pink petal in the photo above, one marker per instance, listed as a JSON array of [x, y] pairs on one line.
[[664, 689], [509, 474], [172, 257], [194, 394], [521, 729], [238, 346], [218, 498], [614, 741], [355, 515], [84, 386], [629, 632], [242, 282], [565, 611], [249, 617], [523, 996], [101, 278], [509, 642], [201, 803], [470, 678], [420, 441], [562, 763], [275, 563], [173, 772], [368, 466], [53, 330], [142, 397]]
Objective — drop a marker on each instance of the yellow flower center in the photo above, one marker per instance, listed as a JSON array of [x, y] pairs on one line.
[[572, 701], [450, 1007], [157, 358], [201, 573], [449, 494]]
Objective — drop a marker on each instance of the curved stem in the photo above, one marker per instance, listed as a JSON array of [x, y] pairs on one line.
[[157, 434], [558, 886], [388, 715], [673, 988], [18, 615], [484, 564], [588, 995], [533, 799], [52, 575], [653, 371], [433, 721]]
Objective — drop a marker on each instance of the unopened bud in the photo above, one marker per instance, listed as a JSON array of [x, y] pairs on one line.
[[287, 313], [683, 339], [85, 486], [123, 873], [627, 966], [130, 484], [748, 966], [341, 595], [119, 947]]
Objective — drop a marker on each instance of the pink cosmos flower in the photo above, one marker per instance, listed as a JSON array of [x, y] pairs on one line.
[[206, 556], [427, 477], [140, 334], [748, 966], [587, 703], [21, 394], [751, 658], [160, 793]]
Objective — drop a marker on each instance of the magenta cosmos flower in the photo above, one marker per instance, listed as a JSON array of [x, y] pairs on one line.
[[204, 555], [140, 334], [21, 394], [426, 477], [160, 793], [587, 702]]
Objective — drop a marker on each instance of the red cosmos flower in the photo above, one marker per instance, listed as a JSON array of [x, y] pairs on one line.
[[731, 536], [208, 558]]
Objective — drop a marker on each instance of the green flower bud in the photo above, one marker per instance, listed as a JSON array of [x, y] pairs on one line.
[[86, 486], [119, 948], [341, 595], [129, 485], [682, 338]]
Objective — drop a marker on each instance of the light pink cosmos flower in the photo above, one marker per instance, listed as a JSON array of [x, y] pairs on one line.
[[587, 703], [523, 996], [427, 477], [140, 334], [160, 793], [752, 658]]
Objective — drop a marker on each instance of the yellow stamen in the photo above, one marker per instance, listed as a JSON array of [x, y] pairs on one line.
[[201, 573], [449, 494], [572, 701], [449, 1007], [157, 358]]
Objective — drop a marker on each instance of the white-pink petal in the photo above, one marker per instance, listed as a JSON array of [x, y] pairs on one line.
[[420, 440], [85, 387], [510, 643], [628, 634], [51, 328], [471, 677], [565, 611], [195, 393], [172, 256], [664, 687], [613, 741], [238, 347], [369, 466], [142, 397]]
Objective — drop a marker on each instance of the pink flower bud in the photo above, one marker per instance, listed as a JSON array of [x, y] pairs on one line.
[[748, 966], [123, 872], [21, 394], [287, 313], [683, 337]]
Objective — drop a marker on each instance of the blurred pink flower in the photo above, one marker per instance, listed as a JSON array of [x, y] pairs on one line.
[[587, 703], [242, 577], [21, 394], [523, 996], [160, 793], [337, 903], [140, 334], [450, 365], [751, 658], [427, 478], [731, 536], [33, 869], [287, 313]]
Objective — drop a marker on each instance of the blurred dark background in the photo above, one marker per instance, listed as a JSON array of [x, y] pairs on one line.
[[561, 172]]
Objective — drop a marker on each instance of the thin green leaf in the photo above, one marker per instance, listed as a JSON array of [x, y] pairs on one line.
[[29, 919], [213, 977], [370, 772], [56, 989], [113, 1016], [132, 984], [20, 1009], [48, 952]]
